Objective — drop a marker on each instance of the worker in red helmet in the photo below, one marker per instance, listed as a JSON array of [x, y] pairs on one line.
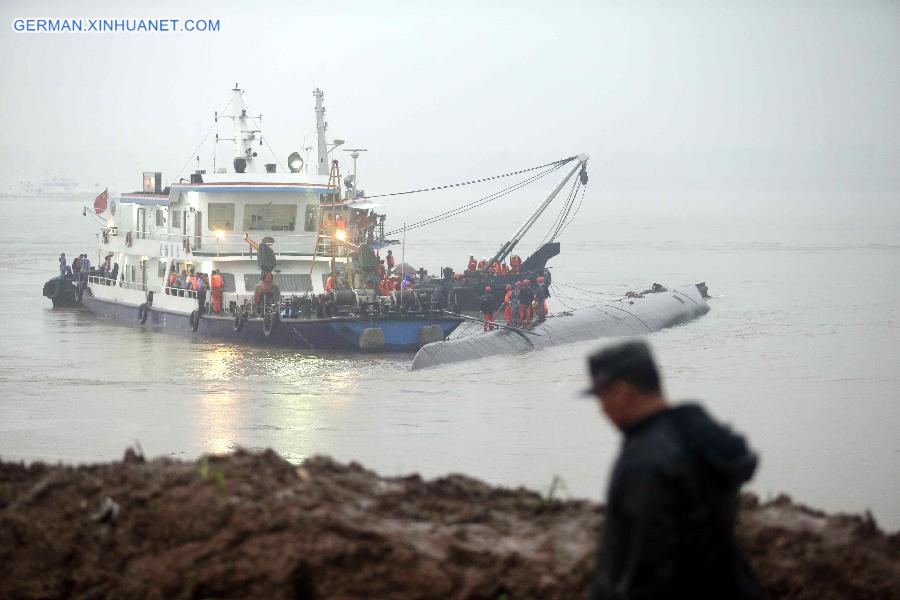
[[507, 308], [487, 309]]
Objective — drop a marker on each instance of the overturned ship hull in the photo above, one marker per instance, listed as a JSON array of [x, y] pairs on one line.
[[628, 316]]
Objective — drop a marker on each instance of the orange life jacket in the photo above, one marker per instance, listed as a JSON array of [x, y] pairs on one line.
[[192, 282], [215, 282], [329, 284]]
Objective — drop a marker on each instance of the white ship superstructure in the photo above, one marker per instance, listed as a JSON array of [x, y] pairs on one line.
[[200, 224]]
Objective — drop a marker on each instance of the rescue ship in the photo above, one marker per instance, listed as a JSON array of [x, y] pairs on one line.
[[321, 243]]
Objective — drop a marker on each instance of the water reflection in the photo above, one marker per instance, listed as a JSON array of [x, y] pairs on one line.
[[219, 418]]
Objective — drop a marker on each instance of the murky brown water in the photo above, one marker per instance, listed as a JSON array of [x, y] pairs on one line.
[[801, 354]]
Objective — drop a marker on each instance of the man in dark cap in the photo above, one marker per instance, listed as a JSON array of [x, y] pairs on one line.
[[673, 492]]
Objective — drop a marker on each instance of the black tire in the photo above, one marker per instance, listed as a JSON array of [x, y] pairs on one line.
[[195, 320], [270, 324], [143, 313], [238, 322], [55, 289]]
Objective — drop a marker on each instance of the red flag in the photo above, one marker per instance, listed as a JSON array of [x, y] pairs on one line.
[[100, 202]]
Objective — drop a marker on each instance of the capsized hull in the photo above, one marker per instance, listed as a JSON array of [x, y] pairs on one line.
[[339, 333], [628, 316]]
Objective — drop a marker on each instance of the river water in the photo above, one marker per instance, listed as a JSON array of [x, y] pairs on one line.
[[801, 352]]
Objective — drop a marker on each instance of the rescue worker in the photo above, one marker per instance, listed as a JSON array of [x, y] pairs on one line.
[[514, 302], [545, 292], [216, 285], [171, 282], [389, 260], [526, 297], [62, 264], [202, 286], [266, 292], [473, 264], [380, 270], [539, 299], [487, 309], [76, 267], [329, 285], [507, 309], [192, 281]]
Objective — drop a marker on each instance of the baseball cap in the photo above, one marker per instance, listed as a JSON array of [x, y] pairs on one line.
[[627, 361]]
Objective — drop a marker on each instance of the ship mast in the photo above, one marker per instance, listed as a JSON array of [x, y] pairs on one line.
[[321, 126]]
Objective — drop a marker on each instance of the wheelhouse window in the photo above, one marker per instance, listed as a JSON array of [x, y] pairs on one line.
[[220, 216], [311, 222], [176, 219], [160, 220], [270, 217], [286, 282]]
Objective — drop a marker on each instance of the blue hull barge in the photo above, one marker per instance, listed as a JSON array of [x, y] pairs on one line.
[[391, 332]]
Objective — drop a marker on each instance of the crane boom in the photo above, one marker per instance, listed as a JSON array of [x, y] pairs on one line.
[[508, 247]]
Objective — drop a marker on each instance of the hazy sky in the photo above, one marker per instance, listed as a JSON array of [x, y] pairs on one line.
[[743, 95]]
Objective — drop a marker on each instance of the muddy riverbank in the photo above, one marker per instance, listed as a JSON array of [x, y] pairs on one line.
[[254, 525]]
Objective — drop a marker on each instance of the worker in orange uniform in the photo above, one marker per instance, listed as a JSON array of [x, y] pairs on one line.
[[507, 308], [487, 309], [192, 281], [215, 286], [473, 264]]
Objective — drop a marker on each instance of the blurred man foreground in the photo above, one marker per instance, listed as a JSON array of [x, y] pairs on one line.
[[673, 492]]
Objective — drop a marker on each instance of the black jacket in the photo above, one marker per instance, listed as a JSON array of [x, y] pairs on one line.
[[488, 304], [669, 529]]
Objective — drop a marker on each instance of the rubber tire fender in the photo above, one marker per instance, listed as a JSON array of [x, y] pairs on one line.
[[238, 323], [57, 289], [270, 324], [195, 320], [143, 313]]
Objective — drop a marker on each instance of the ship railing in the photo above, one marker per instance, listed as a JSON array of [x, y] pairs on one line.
[[180, 292], [234, 244], [130, 285]]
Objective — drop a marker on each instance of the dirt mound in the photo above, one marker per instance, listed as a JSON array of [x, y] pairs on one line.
[[253, 525]]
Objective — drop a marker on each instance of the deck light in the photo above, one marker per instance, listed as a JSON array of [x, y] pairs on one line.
[[340, 235], [295, 162], [220, 234]]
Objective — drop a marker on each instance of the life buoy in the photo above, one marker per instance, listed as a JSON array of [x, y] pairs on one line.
[[128, 239], [270, 324], [238, 323], [195, 320], [143, 312], [186, 245]]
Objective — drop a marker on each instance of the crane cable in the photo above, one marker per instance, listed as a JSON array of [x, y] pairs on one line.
[[557, 163], [481, 201]]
